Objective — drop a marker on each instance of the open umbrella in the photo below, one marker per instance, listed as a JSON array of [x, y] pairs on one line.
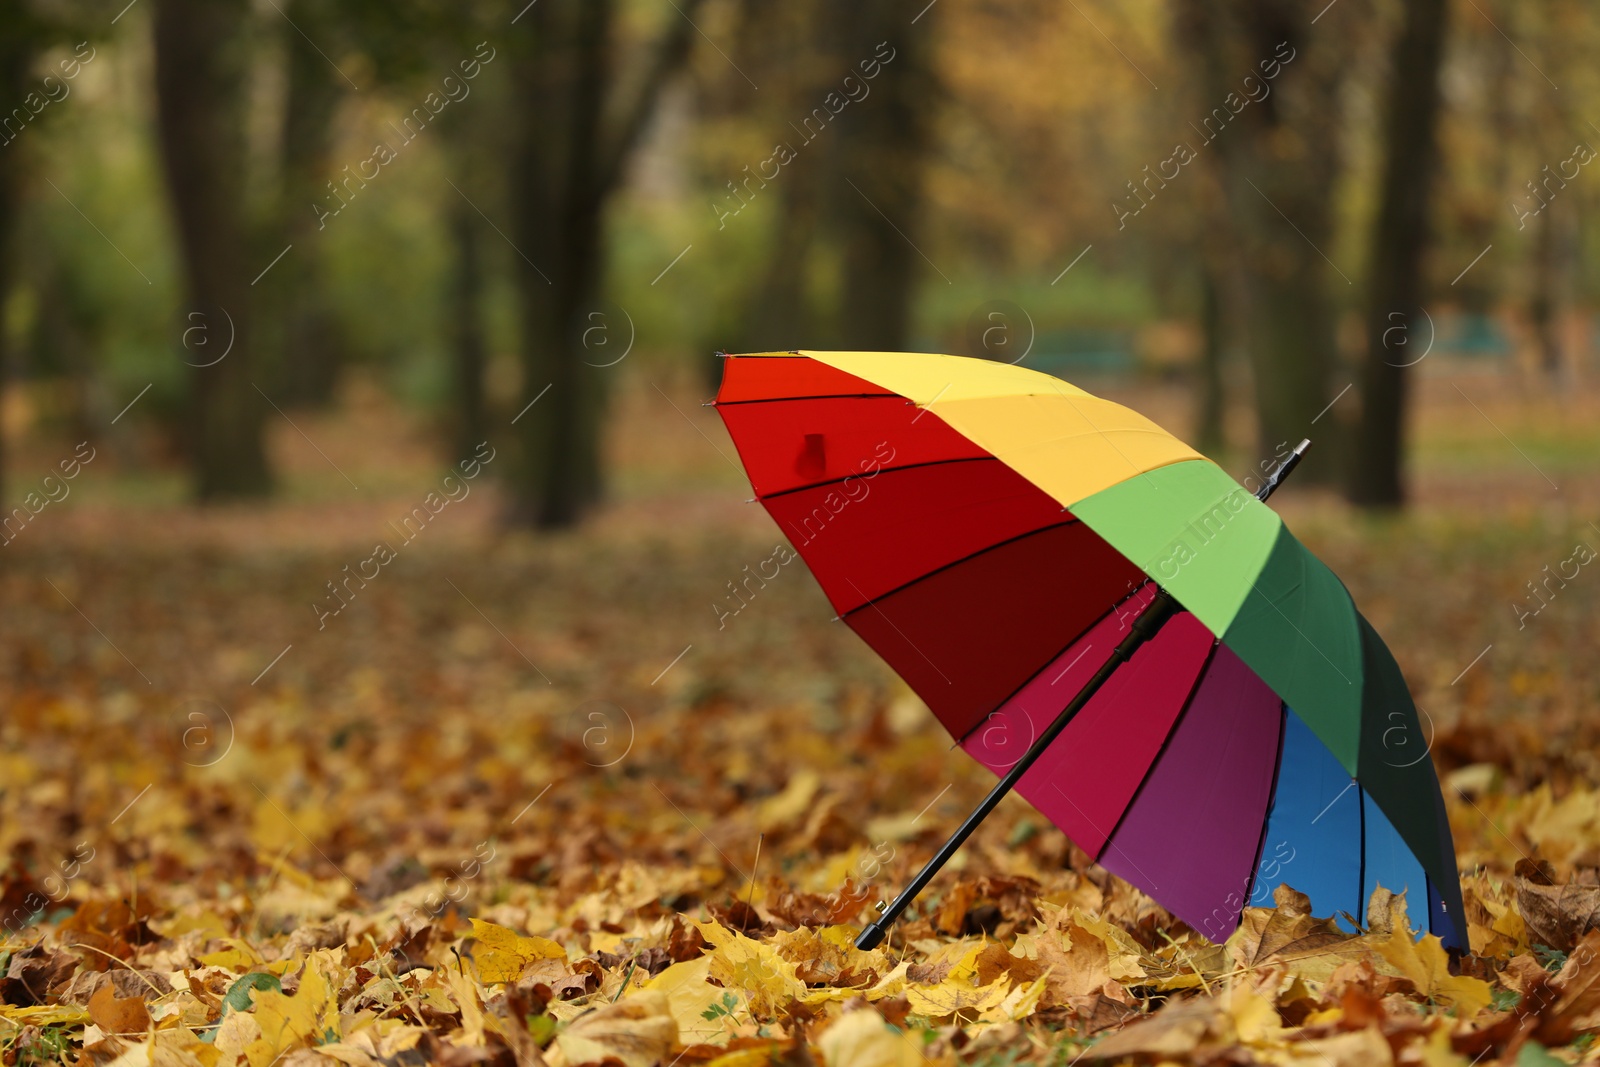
[[1006, 541]]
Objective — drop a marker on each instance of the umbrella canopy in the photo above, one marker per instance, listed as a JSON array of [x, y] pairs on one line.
[[992, 532]]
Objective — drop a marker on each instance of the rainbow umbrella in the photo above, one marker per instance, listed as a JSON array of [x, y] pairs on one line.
[[1006, 541]]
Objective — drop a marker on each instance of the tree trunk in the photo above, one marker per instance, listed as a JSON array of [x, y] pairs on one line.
[[202, 50], [559, 229], [470, 359], [884, 147], [1277, 169], [1399, 240], [1211, 406], [307, 328], [568, 163], [16, 62]]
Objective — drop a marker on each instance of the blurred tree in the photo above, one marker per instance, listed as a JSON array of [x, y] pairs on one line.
[[1278, 161], [469, 346], [202, 61], [476, 139], [884, 146], [793, 46], [1399, 239], [1210, 433], [579, 124], [26, 30], [849, 189], [19, 43], [305, 328]]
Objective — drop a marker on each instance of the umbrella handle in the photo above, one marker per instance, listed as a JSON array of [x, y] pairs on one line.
[[1145, 627]]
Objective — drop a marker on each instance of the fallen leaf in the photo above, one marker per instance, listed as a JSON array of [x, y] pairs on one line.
[[1427, 965], [738, 962], [639, 1030], [863, 1039], [118, 1015], [287, 1022], [503, 953], [1558, 915]]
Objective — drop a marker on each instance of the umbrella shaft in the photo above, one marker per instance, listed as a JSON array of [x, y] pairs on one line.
[[1146, 626]]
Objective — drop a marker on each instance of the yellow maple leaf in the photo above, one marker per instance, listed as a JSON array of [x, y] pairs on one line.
[[287, 1022], [957, 995], [1021, 1002], [43, 1015], [502, 953], [1254, 1019], [740, 963], [690, 996], [1425, 963], [1124, 957]]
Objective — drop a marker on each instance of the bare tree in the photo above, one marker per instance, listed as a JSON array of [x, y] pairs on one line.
[[202, 54], [579, 127], [885, 147], [1273, 141], [1399, 241]]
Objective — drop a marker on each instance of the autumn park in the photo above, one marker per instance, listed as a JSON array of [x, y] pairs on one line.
[[508, 512]]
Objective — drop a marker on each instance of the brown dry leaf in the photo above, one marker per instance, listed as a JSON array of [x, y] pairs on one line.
[[828, 956], [1289, 934], [1075, 963], [1558, 915], [1359, 1048], [1173, 1032], [118, 1015], [638, 1030], [1577, 987]]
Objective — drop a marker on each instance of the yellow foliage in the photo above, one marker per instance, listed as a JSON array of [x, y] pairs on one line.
[[863, 1039], [739, 962], [638, 1030], [287, 1022], [503, 953]]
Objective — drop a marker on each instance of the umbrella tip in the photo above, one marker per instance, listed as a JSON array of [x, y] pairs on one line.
[[871, 937]]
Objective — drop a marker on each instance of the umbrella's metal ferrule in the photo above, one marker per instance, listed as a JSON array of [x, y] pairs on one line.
[[1289, 464]]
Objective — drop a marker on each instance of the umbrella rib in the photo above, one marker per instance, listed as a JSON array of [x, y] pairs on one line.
[[924, 576], [1257, 590], [818, 396], [1057, 655], [1361, 865], [901, 632], [1188, 702], [1272, 791], [1108, 842]]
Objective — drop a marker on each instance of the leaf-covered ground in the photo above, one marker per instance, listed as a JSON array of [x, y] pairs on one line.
[[567, 800]]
